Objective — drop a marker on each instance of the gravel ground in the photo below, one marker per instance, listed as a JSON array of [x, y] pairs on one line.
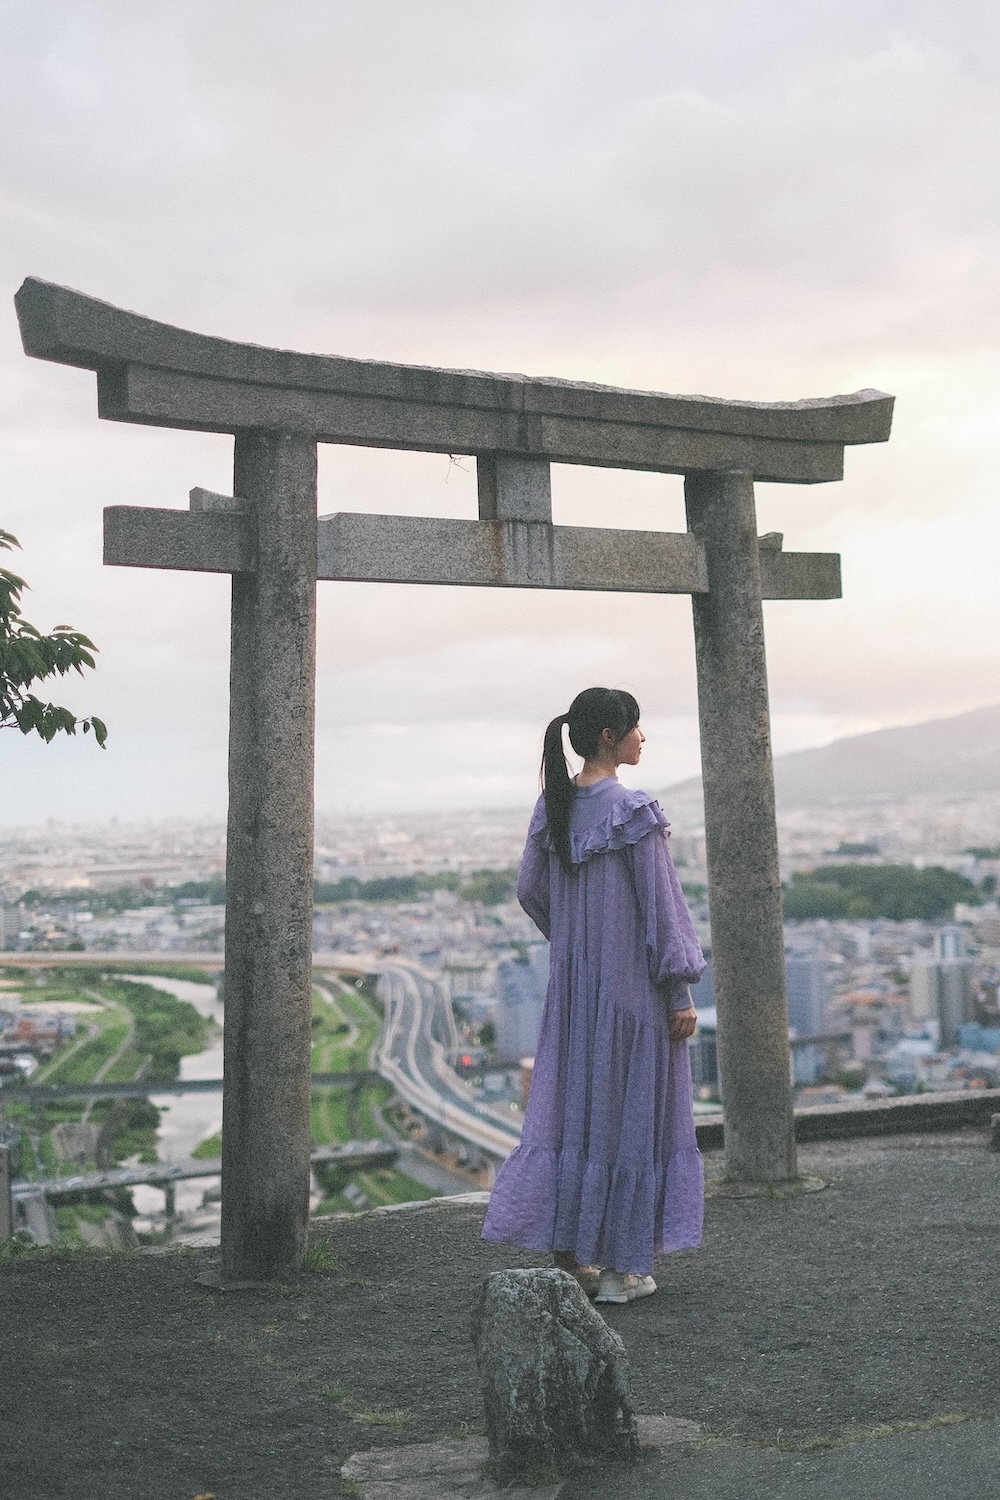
[[874, 1302]]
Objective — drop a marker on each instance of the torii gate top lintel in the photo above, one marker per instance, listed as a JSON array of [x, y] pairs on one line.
[[152, 373]]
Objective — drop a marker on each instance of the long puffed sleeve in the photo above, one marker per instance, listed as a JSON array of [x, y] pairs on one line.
[[672, 947], [533, 882]]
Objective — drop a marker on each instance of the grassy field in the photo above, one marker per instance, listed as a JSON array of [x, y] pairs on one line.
[[82, 1064], [164, 1029], [346, 1025]]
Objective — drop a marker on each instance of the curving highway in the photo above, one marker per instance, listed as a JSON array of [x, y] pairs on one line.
[[419, 1035]]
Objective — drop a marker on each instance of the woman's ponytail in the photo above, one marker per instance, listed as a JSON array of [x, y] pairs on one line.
[[558, 789], [591, 713]]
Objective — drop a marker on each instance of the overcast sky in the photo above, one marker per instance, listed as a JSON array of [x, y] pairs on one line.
[[769, 201]]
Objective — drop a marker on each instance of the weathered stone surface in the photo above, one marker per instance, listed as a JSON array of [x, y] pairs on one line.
[[266, 1135], [665, 1432], [740, 831], [799, 575], [507, 554], [456, 1468], [215, 537], [512, 488], [197, 541], [553, 1375], [153, 373], [450, 1469]]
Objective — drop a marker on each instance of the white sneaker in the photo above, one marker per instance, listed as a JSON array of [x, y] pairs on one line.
[[616, 1286]]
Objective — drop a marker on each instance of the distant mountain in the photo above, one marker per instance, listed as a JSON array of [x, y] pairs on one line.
[[957, 757]]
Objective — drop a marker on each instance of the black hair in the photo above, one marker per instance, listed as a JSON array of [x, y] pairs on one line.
[[590, 713]]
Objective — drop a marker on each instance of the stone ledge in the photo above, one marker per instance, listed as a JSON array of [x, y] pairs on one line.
[[909, 1114]]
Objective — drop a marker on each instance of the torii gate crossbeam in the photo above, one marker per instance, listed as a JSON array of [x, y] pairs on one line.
[[279, 405]]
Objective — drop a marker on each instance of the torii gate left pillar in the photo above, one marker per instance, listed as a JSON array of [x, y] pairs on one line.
[[269, 862], [278, 406]]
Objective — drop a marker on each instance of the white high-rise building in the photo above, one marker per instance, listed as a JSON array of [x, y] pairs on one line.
[[521, 985], [11, 922], [805, 980], [941, 989], [924, 989]]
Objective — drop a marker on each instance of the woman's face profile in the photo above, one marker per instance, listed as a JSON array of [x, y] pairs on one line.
[[628, 750]]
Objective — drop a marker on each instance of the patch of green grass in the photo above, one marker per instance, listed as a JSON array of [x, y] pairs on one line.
[[29, 1161], [135, 1125], [858, 1435], [69, 1219], [382, 1187], [344, 1028], [81, 1065], [128, 1066], [192, 975], [47, 1155], [208, 1150], [13, 1249], [375, 1094], [375, 1416], [165, 1027], [388, 1186], [820, 1442], [320, 1262], [329, 1114]]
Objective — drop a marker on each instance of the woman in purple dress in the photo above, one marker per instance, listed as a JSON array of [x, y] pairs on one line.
[[608, 1172]]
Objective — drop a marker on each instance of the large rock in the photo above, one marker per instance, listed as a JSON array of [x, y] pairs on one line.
[[553, 1375]]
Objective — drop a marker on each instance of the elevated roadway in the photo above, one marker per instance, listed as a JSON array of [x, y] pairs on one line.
[[417, 1040]]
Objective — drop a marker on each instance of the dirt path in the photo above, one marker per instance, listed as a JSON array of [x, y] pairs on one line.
[[44, 1074], [126, 1042]]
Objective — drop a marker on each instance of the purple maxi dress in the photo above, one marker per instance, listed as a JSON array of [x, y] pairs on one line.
[[608, 1166]]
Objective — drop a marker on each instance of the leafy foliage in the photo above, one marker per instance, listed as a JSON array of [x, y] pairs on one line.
[[27, 657], [488, 886], [491, 887], [166, 1028], [858, 892], [134, 1124]]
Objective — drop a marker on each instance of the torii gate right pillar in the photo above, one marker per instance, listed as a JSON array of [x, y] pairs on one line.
[[748, 950]]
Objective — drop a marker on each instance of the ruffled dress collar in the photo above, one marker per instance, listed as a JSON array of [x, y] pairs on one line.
[[606, 815]]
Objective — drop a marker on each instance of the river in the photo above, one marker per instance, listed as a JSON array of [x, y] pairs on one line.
[[185, 1121]]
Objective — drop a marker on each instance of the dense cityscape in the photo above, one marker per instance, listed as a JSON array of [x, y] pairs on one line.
[[892, 989]]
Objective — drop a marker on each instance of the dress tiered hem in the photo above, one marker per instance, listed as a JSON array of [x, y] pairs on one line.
[[606, 1213]]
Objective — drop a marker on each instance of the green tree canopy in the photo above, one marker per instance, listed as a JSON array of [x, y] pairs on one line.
[[27, 657], [899, 892]]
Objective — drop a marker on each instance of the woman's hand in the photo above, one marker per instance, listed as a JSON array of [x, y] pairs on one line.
[[682, 1024]]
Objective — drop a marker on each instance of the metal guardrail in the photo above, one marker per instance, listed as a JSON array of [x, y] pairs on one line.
[[359, 1156], [143, 1088]]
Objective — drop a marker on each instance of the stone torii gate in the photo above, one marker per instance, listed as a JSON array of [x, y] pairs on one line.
[[279, 405]]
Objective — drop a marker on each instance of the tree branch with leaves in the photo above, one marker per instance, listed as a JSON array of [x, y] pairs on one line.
[[28, 657]]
